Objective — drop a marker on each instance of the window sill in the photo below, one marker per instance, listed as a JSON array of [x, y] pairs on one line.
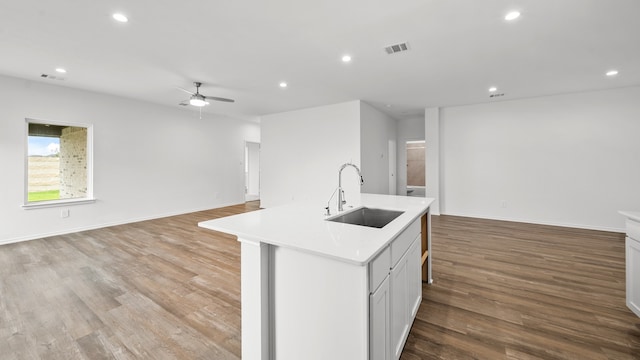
[[57, 203]]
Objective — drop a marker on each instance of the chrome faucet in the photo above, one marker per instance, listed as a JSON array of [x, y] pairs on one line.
[[341, 200]]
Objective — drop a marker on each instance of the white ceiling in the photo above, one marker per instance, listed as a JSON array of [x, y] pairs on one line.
[[244, 49]]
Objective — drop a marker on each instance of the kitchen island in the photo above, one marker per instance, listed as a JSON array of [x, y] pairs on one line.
[[632, 260], [317, 289]]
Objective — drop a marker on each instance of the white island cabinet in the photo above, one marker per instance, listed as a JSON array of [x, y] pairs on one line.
[[316, 289], [632, 243]]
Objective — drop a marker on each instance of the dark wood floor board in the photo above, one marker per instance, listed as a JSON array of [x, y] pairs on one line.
[[167, 289], [561, 327], [435, 342], [578, 313], [613, 300], [567, 297], [492, 331], [534, 340], [530, 256]]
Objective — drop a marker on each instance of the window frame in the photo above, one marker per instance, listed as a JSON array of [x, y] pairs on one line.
[[64, 202]]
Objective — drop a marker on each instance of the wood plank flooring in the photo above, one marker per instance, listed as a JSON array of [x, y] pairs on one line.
[[166, 289], [505, 290], [159, 289]]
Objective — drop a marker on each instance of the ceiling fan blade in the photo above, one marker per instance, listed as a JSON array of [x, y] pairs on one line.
[[219, 99], [187, 91], [184, 103]]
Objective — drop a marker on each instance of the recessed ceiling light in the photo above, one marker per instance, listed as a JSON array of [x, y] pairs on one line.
[[512, 15], [493, 89], [388, 105], [283, 84], [61, 70], [120, 18], [346, 58], [612, 72]]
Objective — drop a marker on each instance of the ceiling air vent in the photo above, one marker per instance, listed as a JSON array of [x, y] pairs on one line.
[[392, 49], [51, 77]]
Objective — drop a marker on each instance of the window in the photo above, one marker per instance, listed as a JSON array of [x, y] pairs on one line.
[[58, 163]]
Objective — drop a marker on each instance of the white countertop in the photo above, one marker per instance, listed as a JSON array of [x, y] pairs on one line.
[[633, 215], [303, 227]]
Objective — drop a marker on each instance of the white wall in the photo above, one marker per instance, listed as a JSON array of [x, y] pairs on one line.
[[149, 160], [567, 160], [376, 129], [408, 130], [301, 153]]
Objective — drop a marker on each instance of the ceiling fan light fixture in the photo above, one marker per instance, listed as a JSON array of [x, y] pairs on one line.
[[197, 102], [120, 17], [512, 15]]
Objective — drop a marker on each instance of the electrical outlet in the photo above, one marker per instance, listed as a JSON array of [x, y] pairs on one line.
[[64, 213], [503, 203]]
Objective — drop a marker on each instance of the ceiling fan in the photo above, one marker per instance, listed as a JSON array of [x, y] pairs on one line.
[[198, 99]]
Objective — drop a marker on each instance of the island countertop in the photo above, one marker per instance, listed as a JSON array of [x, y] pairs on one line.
[[303, 227]]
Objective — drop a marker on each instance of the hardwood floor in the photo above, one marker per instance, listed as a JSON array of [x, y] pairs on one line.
[[159, 289], [507, 290], [166, 289]]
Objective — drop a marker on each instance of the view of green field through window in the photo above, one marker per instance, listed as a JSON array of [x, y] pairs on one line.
[[43, 168]]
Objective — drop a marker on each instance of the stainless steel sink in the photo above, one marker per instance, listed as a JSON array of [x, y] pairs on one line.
[[365, 216]]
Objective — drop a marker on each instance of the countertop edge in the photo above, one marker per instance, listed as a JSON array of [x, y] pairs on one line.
[[254, 238], [415, 211], [633, 215]]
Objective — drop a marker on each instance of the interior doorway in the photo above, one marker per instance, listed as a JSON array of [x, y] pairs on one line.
[[251, 171], [416, 164]]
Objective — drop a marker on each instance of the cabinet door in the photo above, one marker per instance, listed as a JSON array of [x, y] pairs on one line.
[[633, 275], [414, 267], [379, 322], [399, 284]]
